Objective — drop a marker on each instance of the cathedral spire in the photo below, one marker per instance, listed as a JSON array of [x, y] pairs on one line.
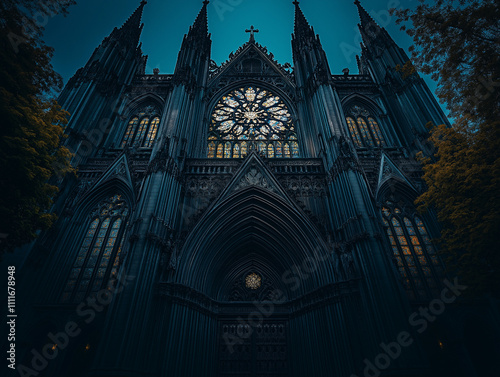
[[365, 18], [301, 27], [134, 21], [199, 29], [194, 57], [370, 31], [131, 30], [308, 54]]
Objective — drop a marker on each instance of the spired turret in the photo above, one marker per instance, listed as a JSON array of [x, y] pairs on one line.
[[112, 60], [92, 91], [411, 103], [194, 56], [311, 64]]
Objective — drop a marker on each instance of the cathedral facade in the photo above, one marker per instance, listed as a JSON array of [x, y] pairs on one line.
[[244, 219]]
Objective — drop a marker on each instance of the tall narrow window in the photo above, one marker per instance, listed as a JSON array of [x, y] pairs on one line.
[[417, 262], [211, 147], [142, 128], [353, 129], [365, 130], [97, 258], [251, 118], [153, 129], [139, 137], [129, 134], [375, 129]]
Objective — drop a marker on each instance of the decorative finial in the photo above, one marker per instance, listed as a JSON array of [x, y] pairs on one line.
[[252, 30], [295, 2], [206, 2]]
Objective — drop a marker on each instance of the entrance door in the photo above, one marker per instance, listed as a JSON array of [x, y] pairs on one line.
[[256, 351]]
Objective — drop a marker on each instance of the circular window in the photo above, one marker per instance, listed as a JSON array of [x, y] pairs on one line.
[[253, 281], [251, 118]]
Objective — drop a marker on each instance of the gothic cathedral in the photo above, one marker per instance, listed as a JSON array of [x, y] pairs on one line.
[[246, 219]]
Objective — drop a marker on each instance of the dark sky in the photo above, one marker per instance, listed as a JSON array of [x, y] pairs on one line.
[[74, 37]]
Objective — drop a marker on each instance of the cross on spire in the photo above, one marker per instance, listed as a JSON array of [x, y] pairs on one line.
[[252, 30]]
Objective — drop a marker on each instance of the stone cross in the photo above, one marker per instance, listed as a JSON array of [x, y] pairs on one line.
[[252, 30]]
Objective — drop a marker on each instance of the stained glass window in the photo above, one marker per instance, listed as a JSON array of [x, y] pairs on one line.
[[132, 125], [251, 118], [142, 129], [253, 281], [278, 149], [211, 149], [375, 129], [153, 129], [354, 132], [365, 130], [419, 267], [365, 133], [139, 137], [91, 268]]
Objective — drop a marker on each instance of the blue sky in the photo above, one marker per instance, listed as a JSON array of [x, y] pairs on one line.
[[74, 37]]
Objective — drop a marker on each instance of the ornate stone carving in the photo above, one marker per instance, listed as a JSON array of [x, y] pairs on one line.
[[111, 207], [83, 185], [358, 110], [386, 171], [304, 186], [345, 161], [254, 178], [162, 161], [275, 81], [282, 68], [185, 76]]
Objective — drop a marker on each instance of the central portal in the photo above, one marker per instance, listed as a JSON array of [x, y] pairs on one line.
[[257, 349]]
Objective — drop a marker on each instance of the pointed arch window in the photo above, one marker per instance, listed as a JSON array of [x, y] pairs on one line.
[[251, 118], [142, 129], [415, 256], [98, 256], [364, 128]]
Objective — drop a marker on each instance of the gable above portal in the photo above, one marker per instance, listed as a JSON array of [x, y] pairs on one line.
[[251, 62]]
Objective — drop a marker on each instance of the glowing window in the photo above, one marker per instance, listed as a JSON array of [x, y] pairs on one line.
[[354, 132], [97, 258], [253, 281], [251, 118], [365, 130], [365, 133], [375, 129], [413, 251], [142, 129], [139, 137], [153, 129], [129, 134]]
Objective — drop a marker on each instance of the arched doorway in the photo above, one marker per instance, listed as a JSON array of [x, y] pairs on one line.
[[246, 255]]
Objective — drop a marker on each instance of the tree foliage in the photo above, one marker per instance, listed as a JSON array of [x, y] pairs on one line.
[[458, 44], [31, 124]]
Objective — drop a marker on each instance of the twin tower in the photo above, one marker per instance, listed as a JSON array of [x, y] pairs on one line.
[[243, 219]]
